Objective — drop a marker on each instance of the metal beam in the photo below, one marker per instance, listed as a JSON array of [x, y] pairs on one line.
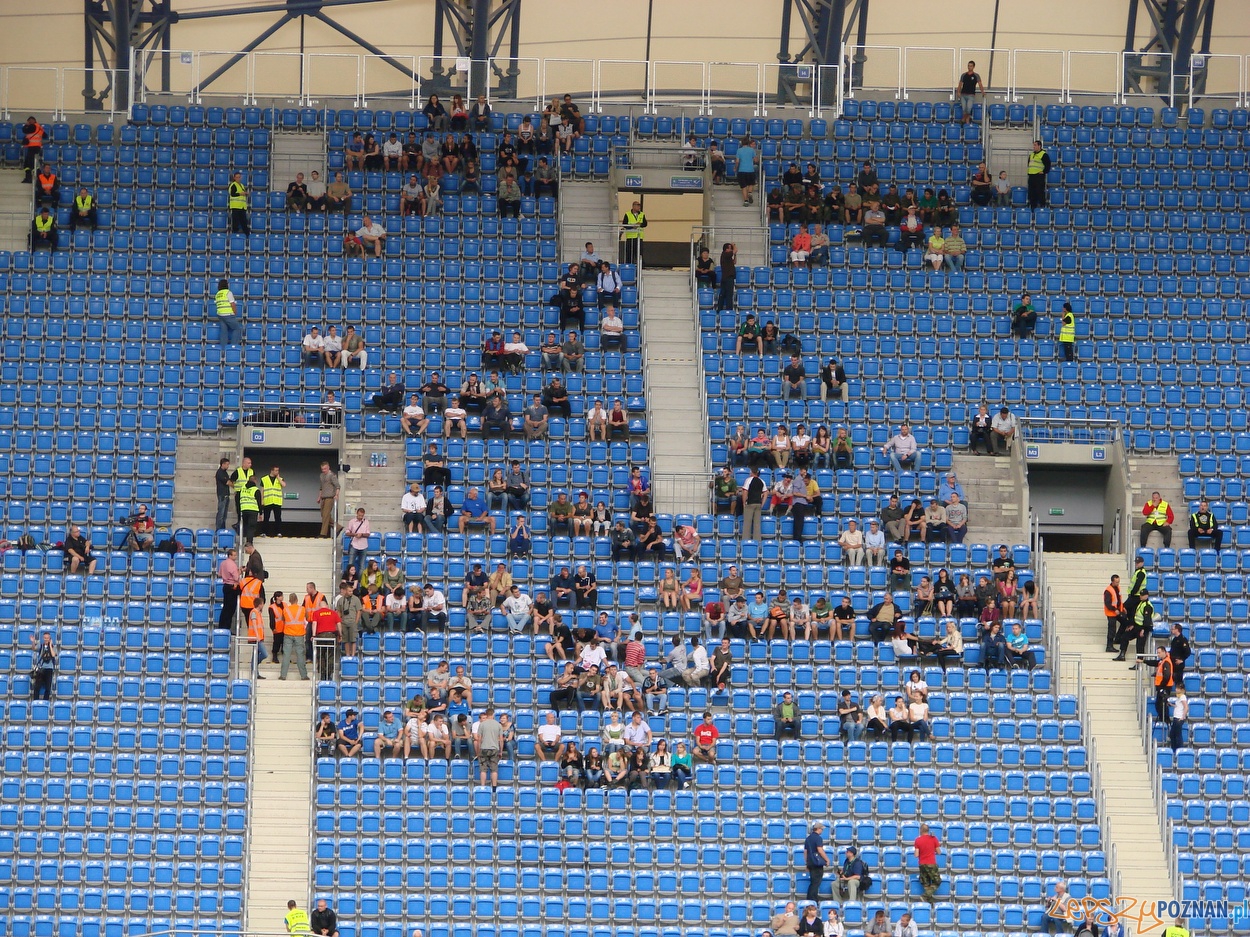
[[827, 25], [1180, 29]]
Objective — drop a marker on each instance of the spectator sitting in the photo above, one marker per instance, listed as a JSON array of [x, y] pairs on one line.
[[773, 203], [391, 397], [866, 182], [455, 419], [875, 234], [514, 353], [316, 192], [935, 251], [819, 255], [412, 198], [608, 286], [509, 196], [955, 250], [801, 247], [1024, 318], [83, 211], [950, 485], [618, 420], [550, 352], [982, 186], [297, 194], [979, 431], [786, 717], [78, 550], [141, 535], [1003, 431], [313, 347], [902, 450], [338, 195], [911, 231], [372, 236], [545, 182], [611, 329], [933, 524], [412, 419], [852, 544], [560, 515], [1002, 190], [555, 397], [495, 416]]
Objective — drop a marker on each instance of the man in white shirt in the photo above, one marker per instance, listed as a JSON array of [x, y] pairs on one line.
[[455, 419], [316, 193], [592, 658], [901, 449], [637, 734], [412, 505], [372, 235], [874, 544], [597, 422], [549, 747], [905, 927], [611, 329], [413, 730], [392, 150], [1002, 431], [412, 419], [852, 544], [433, 608], [517, 609], [698, 666], [314, 346], [514, 353]]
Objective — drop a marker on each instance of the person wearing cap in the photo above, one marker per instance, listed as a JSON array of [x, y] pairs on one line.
[[853, 869], [1002, 432], [950, 485], [815, 859]]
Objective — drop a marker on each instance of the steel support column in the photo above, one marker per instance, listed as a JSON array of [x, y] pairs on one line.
[[1180, 29], [827, 25]]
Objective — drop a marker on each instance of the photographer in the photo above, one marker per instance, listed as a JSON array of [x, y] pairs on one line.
[[142, 534]]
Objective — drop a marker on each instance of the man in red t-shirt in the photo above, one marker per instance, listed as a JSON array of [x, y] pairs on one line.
[[714, 619], [325, 623], [927, 847], [705, 736]]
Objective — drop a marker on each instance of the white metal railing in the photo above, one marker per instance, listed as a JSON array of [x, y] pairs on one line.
[[1145, 720], [244, 667], [305, 79]]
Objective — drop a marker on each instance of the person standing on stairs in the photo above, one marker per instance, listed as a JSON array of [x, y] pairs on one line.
[[1179, 651], [746, 170], [236, 195], [1113, 608], [294, 637], [222, 479], [635, 221], [1141, 627], [228, 573], [32, 147], [1067, 333], [327, 495], [728, 276], [237, 479], [272, 488], [1165, 679]]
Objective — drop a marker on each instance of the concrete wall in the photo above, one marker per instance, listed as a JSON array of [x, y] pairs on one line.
[[743, 31]]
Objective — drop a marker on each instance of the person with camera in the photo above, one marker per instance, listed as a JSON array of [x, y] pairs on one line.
[[142, 535]]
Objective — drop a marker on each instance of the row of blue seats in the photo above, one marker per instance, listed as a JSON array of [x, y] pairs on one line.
[[254, 162], [189, 715], [146, 796]]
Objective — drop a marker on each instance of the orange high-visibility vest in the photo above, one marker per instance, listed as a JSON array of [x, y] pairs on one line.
[[313, 601], [255, 627], [249, 595], [379, 602], [296, 624], [47, 183]]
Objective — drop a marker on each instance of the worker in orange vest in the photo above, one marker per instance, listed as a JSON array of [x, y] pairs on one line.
[[256, 635], [32, 146], [1113, 608], [277, 621], [294, 637], [47, 185], [1163, 683]]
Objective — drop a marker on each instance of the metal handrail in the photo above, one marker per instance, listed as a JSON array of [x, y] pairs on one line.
[[239, 644], [1151, 745], [1056, 430]]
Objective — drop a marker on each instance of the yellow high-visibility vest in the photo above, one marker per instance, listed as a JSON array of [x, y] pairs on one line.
[[43, 225], [239, 476], [225, 305], [1036, 163], [636, 220], [83, 202], [1067, 331], [238, 196], [271, 489], [247, 498], [1159, 516], [296, 921]]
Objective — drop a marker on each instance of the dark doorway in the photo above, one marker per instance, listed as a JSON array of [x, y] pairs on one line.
[[1072, 543], [301, 469]]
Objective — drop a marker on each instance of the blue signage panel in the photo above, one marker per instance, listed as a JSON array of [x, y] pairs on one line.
[[258, 436], [633, 181], [689, 183], [1032, 452]]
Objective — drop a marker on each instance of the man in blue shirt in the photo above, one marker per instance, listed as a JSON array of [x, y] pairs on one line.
[[349, 735], [815, 857], [852, 875], [388, 741], [474, 512], [746, 170], [606, 633], [950, 485]]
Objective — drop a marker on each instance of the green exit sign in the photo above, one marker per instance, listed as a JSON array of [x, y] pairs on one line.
[[1056, 512]]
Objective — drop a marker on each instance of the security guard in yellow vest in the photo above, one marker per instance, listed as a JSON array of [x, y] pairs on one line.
[[271, 487], [635, 220], [248, 509], [1176, 930], [1067, 333], [1039, 165], [43, 231], [84, 210], [237, 478], [1158, 516], [1143, 624], [238, 205], [227, 314], [296, 919]]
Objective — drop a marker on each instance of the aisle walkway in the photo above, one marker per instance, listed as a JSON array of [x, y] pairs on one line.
[[1075, 582]]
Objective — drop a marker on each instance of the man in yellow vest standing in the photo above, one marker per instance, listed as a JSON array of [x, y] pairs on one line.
[[1067, 333], [635, 221], [237, 194], [272, 487], [237, 478], [296, 919], [1159, 516], [1039, 165], [84, 212], [227, 313], [249, 509], [43, 230]]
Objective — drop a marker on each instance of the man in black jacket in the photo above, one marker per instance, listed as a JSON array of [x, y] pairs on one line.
[[323, 922], [392, 395], [1179, 651], [1202, 524]]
